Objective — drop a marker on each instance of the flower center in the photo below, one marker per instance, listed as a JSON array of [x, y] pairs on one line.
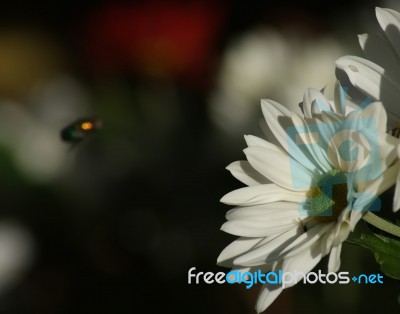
[[328, 197]]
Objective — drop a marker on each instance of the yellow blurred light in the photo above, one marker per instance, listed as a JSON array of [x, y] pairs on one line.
[[86, 126]]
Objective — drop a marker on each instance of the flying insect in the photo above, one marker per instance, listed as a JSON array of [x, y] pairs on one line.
[[80, 129]]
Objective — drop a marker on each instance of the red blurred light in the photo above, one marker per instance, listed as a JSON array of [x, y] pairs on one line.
[[158, 39]]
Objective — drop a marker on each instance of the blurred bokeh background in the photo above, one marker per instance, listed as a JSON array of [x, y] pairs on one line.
[[113, 224]]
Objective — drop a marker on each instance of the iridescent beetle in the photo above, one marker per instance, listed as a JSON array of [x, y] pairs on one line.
[[80, 129]]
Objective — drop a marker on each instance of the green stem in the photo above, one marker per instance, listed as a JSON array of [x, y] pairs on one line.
[[382, 224]]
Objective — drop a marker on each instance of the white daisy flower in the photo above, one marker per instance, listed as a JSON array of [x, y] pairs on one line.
[[307, 192], [378, 76]]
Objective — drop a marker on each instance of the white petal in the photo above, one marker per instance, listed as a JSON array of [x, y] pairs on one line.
[[279, 121], [342, 229], [390, 23], [306, 139], [276, 210], [325, 136], [370, 193], [363, 74], [244, 172], [396, 201], [256, 141], [327, 240], [372, 80], [306, 240], [258, 255], [380, 155], [269, 135], [340, 99], [267, 295], [380, 185], [358, 141], [236, 248], [279, 168], [255, 228], [285, 246], [387, 148], [272, 121], [355, 218], [303, 262], [334, 259], [318, 106], [262, 226], [379, 51], [309, 97], [262, 194], [372, 116], [324, 129], [310, 140]]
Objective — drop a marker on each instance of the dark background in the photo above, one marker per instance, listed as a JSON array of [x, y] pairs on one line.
[[116, 227]]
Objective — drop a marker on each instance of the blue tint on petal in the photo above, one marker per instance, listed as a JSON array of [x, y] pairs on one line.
[[348, 150]]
